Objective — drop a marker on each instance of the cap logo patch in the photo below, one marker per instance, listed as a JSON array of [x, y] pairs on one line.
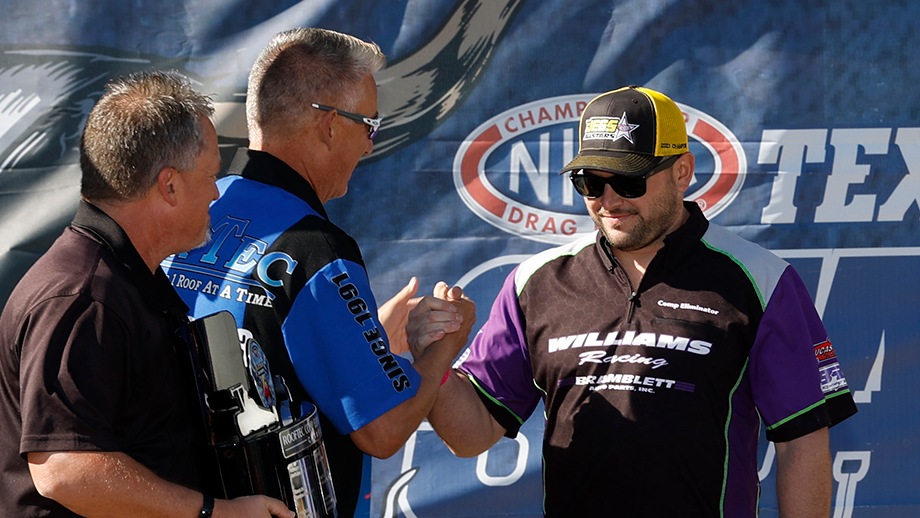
[[612, 128]]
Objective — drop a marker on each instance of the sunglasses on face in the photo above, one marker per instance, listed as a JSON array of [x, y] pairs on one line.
[[592, 186], [373, 124]]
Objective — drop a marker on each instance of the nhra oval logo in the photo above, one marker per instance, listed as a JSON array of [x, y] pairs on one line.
[[506, 171]]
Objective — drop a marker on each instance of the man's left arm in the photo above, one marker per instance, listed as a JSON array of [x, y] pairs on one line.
[[95, 483], [803, 479]]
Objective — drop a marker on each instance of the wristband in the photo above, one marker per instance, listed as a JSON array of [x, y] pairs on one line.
[[446, 375], [207, 506]]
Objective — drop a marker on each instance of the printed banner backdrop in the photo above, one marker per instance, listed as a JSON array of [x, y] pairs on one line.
[[803, 118]]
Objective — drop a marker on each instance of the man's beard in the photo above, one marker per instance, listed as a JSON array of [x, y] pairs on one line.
[[648, 228], [206, 240]]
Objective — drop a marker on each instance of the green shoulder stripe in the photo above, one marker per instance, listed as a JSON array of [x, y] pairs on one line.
[[761, 267], [534, 263], [482, 391]]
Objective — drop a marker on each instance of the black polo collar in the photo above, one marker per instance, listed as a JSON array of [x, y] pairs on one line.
[[677, 244], [97, 225], [266, 168], [681, 243]]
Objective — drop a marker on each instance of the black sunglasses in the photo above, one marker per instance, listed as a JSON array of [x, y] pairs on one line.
[[373, 124], [592, 186]]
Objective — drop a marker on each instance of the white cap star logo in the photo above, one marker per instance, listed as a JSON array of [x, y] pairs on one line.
[[624, 129]]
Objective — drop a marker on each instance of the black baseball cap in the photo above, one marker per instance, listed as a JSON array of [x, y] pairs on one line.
[[629, 131]]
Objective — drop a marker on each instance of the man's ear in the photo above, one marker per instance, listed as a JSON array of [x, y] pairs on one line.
[[325, 127], [684, 167], [167, 181]]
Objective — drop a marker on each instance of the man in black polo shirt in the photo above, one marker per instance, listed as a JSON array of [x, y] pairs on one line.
[[95, 417]]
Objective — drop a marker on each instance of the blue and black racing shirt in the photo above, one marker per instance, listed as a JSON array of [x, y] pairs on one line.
[[298, 284]]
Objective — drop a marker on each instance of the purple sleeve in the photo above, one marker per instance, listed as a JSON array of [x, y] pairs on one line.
[[794, 370], [498, 362]]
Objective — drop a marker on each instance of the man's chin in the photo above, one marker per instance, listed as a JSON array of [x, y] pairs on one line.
[[205, 241], [622, 241]]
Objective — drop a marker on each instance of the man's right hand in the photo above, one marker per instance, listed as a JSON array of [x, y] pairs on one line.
[[449, 313]]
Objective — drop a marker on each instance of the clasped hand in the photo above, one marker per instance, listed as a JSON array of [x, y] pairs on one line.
[[414, 324], [445, 319]]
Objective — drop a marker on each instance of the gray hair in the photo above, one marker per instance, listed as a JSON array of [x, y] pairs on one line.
[[302, 66], [143, 122]]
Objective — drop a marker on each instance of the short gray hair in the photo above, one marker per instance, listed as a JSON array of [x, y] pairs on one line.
[[143, 122], [302, 66]]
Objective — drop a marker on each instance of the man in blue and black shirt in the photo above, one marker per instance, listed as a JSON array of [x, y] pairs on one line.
[[295, 281]]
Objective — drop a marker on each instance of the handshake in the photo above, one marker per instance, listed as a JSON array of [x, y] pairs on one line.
[[435, 325]]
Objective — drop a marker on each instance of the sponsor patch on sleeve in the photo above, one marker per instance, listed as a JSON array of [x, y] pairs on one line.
[[832, 378], [824, 351]]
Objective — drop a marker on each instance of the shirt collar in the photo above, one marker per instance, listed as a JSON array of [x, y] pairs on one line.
[[97, 225], [268, 169], [677, 244]]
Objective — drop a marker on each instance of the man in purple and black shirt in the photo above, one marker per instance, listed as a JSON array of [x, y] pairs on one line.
[[658, 345]]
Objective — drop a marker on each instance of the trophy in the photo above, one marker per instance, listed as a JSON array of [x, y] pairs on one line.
[[257, 449]]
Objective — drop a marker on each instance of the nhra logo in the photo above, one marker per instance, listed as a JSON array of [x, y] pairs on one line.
[[506, 170]]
